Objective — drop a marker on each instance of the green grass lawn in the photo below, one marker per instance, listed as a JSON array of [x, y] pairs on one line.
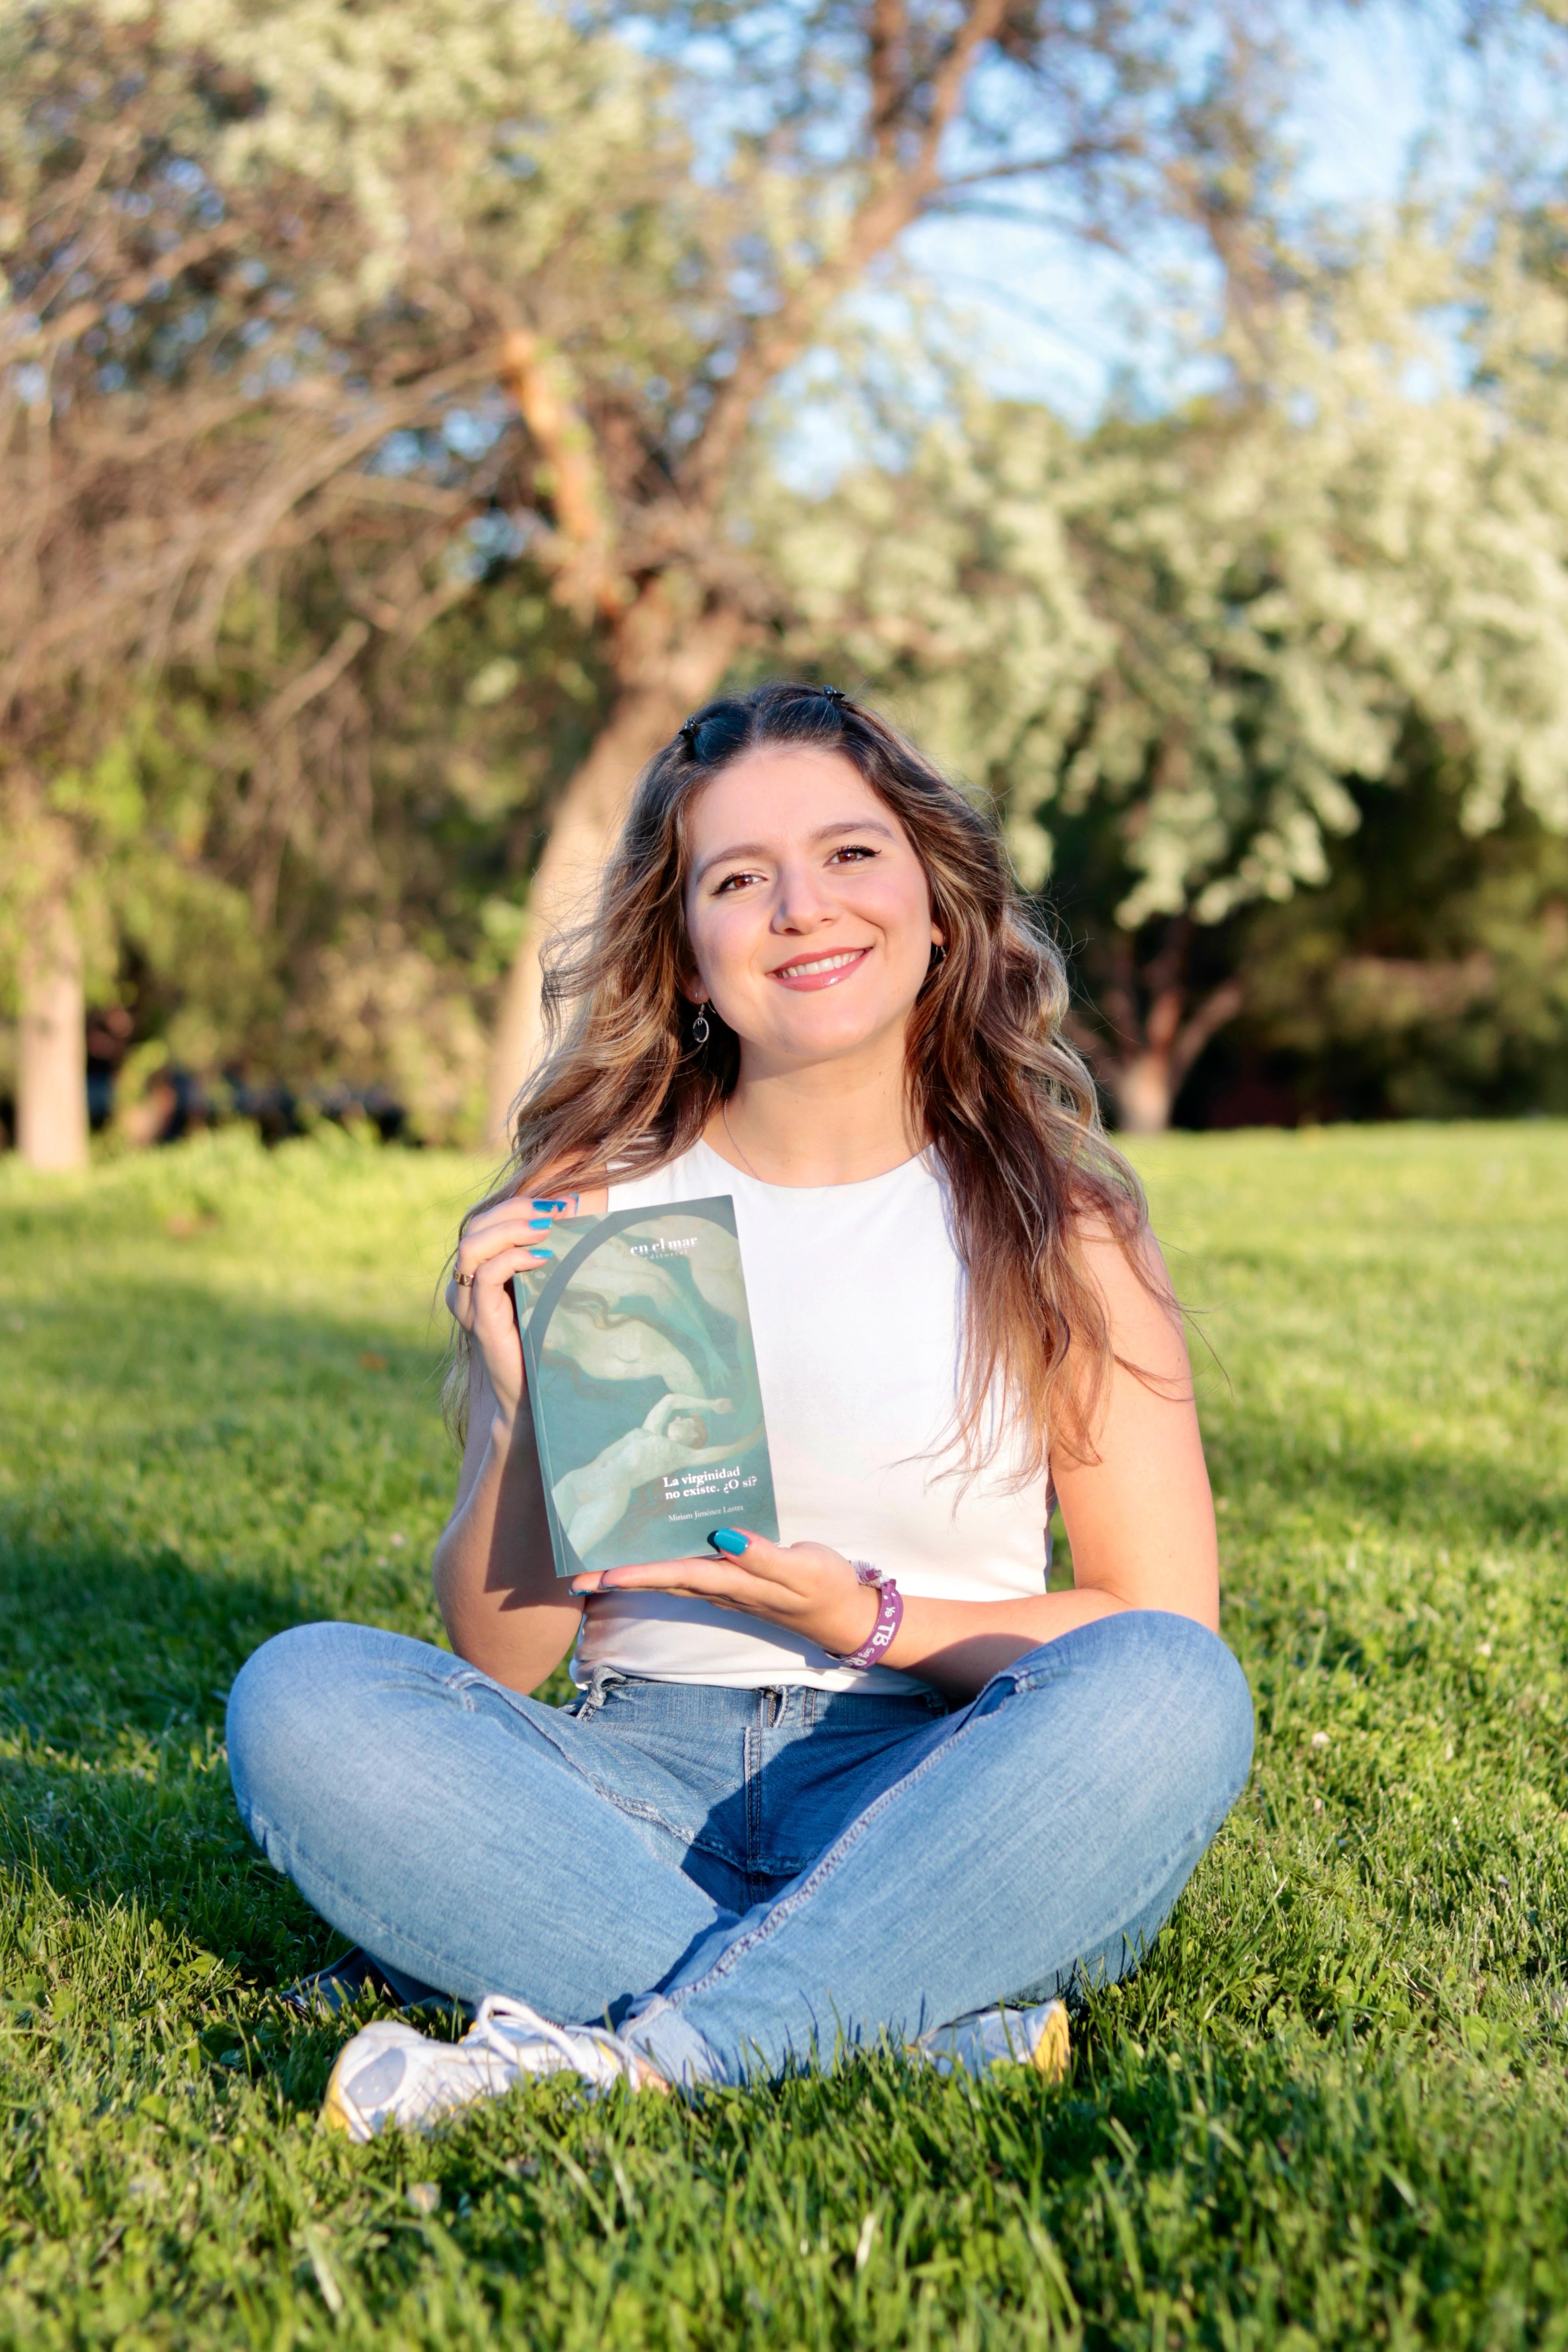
[[1332, 2107]]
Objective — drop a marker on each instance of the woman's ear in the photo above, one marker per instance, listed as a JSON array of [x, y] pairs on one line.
[[691, 988]]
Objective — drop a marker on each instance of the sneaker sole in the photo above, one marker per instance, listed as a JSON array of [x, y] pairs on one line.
[[335, 2115], [1052, 2053]]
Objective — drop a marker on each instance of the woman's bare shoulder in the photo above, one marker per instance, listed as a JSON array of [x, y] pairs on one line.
[[1104, 1238], [1128, 1268]]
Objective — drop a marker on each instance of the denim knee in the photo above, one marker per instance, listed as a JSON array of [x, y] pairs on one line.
[[1208, 1689], [276, 1722], [1172, 1693]]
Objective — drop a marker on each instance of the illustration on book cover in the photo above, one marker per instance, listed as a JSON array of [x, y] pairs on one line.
[[643, 1380]]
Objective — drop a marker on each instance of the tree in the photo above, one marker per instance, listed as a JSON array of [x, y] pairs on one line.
[[51, 1074], [244, 255], [341, 939]]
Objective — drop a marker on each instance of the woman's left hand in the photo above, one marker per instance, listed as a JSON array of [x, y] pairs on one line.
[[806, 1587]]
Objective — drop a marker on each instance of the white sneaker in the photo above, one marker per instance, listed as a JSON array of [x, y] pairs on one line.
[[1001, 2037], [389, 2074]]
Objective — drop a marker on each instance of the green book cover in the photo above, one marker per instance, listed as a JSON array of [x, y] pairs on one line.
[[642, 1379]]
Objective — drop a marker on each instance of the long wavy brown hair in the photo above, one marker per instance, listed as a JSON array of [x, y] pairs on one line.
[[1007, 1106]]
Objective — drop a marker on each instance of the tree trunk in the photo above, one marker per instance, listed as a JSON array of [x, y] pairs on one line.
[[1144, 1092], [1146, 1083], [664, 673], [1162, 1041], [51, 1075]]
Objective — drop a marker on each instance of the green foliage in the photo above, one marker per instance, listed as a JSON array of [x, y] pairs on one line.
[[258, 450], [1203, 629], [146, 894], [384, 911], [1186, 659], [1330, 2108], [390, 383], [1428, 977]]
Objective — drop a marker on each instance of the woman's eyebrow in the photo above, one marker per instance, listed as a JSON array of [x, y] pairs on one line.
[[853, 824], [823, 832], [722, 857]]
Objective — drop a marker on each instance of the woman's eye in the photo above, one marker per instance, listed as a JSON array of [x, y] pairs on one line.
[[855, 850], [730, 882]]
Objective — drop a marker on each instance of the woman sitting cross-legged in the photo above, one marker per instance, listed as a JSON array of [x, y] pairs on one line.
[[745, 1845]]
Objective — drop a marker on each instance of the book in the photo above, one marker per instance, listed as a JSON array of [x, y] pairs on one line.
[[642, 1377]]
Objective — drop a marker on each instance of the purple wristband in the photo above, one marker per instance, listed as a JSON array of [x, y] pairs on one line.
[[890, 1617]]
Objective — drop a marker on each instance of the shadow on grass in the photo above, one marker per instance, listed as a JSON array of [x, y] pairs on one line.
[[240, 1470], [101, 1640], [1265, 1466], [113, 1678]]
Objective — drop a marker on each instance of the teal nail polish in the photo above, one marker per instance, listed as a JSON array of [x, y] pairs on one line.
[[538, 1225], [551, 1204], [544, 1253], [726, 1540]]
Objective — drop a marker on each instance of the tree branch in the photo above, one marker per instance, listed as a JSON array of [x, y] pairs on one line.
[[1082, 151], [888, 70], [20, 342], [1222, 1004], [537, 379], [326, 457], [895, 197], [289, 700]]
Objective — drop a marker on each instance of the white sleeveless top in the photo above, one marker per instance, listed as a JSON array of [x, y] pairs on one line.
[[853, 1292]]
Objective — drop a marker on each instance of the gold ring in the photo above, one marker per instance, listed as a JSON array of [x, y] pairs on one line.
[[464, 1281]]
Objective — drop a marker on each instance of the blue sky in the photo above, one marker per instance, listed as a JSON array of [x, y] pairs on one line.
[[1383, 88]]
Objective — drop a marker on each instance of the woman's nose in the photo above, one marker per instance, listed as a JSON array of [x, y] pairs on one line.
[[800, 900]]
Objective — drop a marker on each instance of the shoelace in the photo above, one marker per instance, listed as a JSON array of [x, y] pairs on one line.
[[497, 2013]]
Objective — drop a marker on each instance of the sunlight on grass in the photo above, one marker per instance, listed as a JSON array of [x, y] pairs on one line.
[[1331, 2110]]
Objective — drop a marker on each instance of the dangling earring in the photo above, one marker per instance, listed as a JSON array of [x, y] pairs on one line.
[[700, 1032]]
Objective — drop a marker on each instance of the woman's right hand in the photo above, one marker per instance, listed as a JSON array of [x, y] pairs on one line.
[[509, 1238]]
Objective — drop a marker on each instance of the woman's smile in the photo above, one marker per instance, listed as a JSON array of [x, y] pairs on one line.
[[819, 971]]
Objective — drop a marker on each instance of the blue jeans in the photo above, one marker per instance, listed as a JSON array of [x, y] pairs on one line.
[[739, 1878]]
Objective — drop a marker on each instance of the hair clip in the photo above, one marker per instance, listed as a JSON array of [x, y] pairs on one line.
[[689, 734], [834, 697]]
